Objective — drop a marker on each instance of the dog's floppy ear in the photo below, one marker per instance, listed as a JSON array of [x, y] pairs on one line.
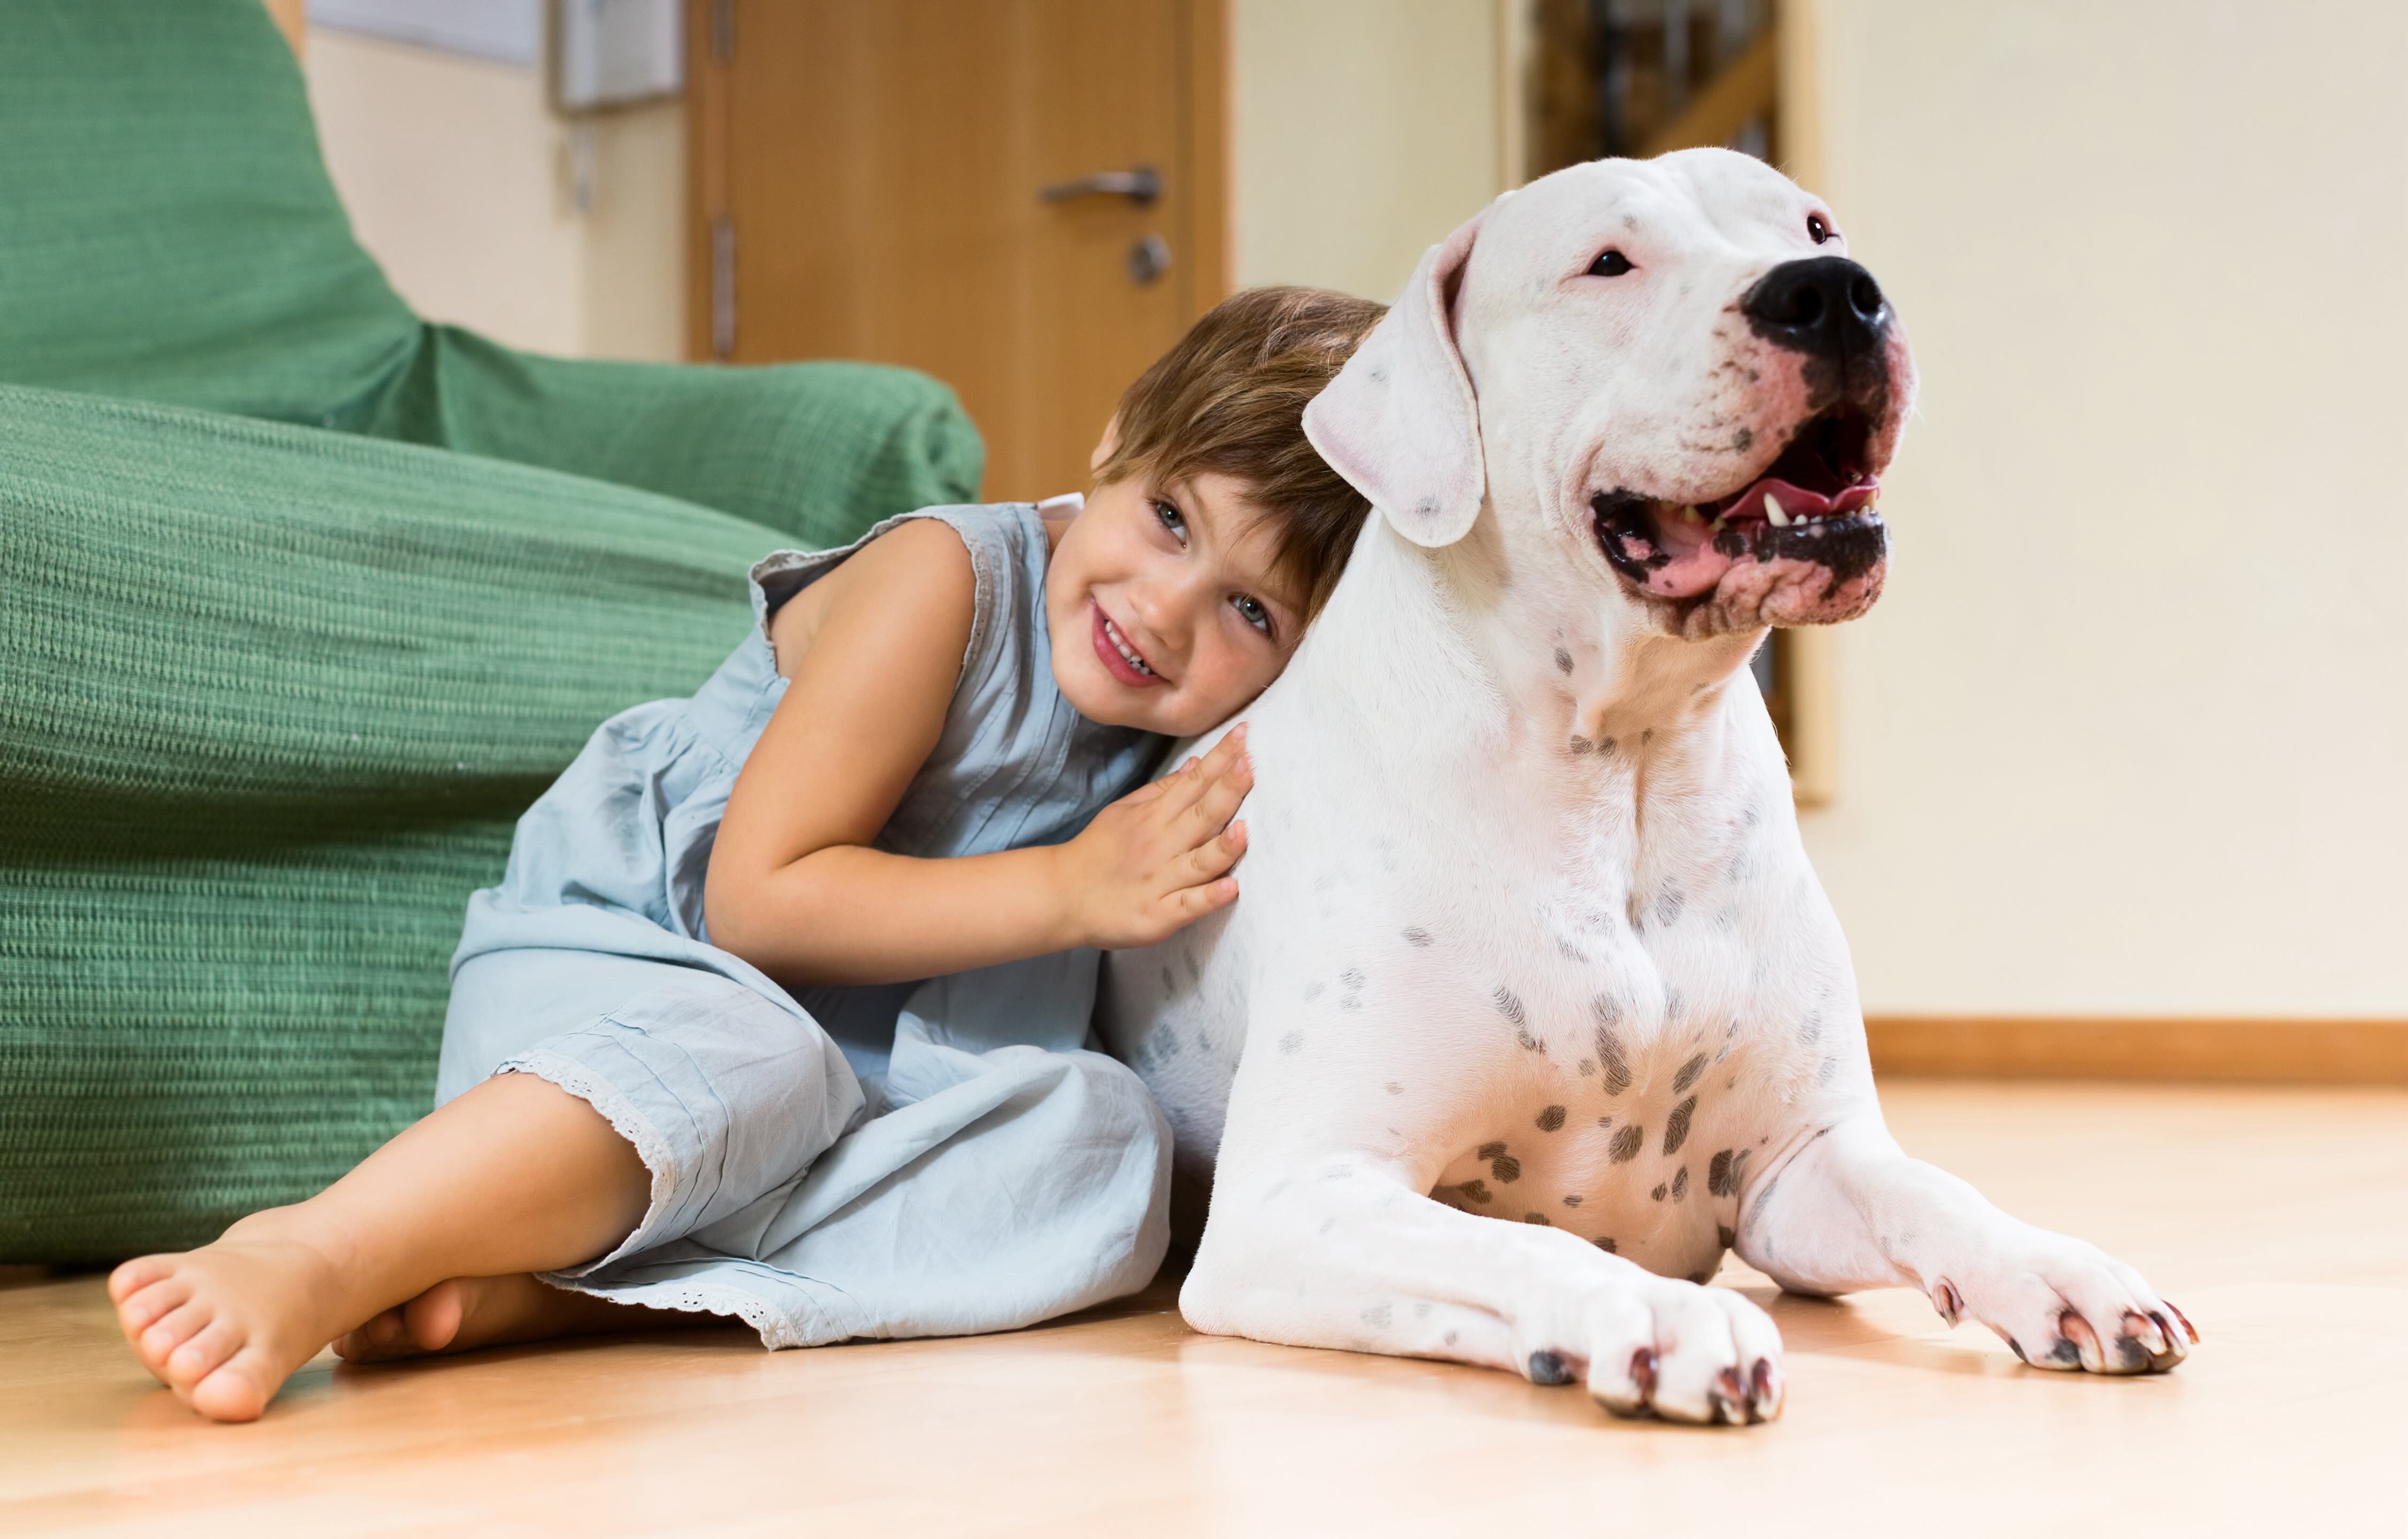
[[1399, 422]]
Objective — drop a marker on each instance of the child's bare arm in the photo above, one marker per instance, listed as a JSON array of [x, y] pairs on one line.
[[871, 662]]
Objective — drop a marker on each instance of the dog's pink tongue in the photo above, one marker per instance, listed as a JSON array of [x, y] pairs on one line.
[[1695, 565], [1796, 500]]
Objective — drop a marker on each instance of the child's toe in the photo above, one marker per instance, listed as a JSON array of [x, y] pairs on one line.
[[133, 1276], [238, 1390], [172, 1330], [138, 1312], [202, 1352]]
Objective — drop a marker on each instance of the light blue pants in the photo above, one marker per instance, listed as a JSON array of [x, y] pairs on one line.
[[977, 1188]]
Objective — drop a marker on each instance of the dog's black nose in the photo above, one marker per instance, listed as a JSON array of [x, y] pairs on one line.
[[1825, 305]]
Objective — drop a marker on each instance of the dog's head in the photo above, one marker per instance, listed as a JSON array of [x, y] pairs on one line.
[[1671, 364]]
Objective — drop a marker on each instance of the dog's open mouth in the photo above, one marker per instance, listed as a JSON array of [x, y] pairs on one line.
[[1805, 527]]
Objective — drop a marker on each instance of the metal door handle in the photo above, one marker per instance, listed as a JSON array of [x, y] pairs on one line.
[[1139, 184]]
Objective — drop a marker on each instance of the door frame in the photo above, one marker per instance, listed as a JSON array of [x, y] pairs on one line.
[[711, 32]]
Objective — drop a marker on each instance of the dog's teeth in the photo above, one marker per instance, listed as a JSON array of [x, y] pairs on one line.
[[1690, 515], [1773, 511], [1716, 527]]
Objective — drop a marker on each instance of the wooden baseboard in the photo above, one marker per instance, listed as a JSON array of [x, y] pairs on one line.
[[2266, 1052]]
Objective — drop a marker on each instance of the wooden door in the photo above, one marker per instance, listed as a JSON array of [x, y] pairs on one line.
[[869, 180]]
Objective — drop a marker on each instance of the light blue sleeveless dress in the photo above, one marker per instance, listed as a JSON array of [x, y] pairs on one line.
[[923, 1158]]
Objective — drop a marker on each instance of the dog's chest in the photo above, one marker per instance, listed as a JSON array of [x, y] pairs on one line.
[[1656, 1050], [1643, 1154]]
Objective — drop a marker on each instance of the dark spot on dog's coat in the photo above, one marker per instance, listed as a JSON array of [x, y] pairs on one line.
[[1351, 979], [1551, 1119], [1563, 661], [1571, 1200], [1292, 1041], [1681, 1185], [1506, 1169], [1626, 1145], [1609, 1047], [1724, 1237], [1676, 1127], [1718, 1174], [2065, 1352], [1416, 936], [1538, 1218], [1657, 1195], [1605, 1243], [1378, 1315], [1688, 1074], [1475, 1191], [1489, 1150], [1395, 1089], [1508, 1003], [1550, 1368], [1589, 1066]]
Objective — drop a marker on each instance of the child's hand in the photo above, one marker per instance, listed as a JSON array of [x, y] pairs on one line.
[[1157, 859]]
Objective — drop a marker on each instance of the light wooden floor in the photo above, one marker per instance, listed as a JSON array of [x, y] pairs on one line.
[[2277, 1218]]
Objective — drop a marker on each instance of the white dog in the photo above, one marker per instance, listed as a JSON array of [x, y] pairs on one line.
[[1528, 933]]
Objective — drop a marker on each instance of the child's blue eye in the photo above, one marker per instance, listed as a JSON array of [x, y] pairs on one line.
[[1253, 613], [1171, 519]]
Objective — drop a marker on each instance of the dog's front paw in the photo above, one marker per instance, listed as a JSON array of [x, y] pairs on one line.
[[1672, 1349], [2059, 1302]]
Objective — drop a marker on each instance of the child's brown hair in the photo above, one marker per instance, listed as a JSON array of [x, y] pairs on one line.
[[1230, 397]]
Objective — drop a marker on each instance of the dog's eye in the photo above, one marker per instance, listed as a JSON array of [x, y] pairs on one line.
[[1816, 228], [1610, 264]]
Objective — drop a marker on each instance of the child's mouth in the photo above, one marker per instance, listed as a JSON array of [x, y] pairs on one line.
[[1120, 659]]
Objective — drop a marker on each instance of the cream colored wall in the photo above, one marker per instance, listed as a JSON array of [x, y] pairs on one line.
[[461, 181], [1363, 131], [2128, 732]]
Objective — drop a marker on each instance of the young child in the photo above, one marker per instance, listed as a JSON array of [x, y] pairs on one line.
[[779, 1009]]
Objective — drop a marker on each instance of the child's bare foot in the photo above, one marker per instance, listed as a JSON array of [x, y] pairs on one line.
[[468, 1312], [225, 1325]]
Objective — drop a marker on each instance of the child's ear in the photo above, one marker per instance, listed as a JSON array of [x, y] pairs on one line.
[[1105, 445], [1400, 421]]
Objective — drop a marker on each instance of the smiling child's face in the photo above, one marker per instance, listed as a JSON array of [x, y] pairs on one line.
[[1165, 606]]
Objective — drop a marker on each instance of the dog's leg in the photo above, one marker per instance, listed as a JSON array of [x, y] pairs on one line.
[[1849, 1210], [1321, 1245]]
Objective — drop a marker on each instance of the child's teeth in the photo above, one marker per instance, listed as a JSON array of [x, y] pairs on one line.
[[1772, 509], [1127, 650]]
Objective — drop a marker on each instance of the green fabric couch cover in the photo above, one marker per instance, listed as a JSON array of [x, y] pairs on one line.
[[272, 695]]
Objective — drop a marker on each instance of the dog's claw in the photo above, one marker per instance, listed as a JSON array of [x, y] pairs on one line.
[[1764, 1391], [2084, 1340], [2188, 1330], [1945, 1299], [1642, 1373], [2149, 1330], [1729, 1399]]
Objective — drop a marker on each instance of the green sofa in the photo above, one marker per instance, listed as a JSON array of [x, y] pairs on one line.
[[302, 600]]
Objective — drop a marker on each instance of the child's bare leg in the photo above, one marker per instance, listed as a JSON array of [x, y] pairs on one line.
[[466, 1312], [514, 1176]]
